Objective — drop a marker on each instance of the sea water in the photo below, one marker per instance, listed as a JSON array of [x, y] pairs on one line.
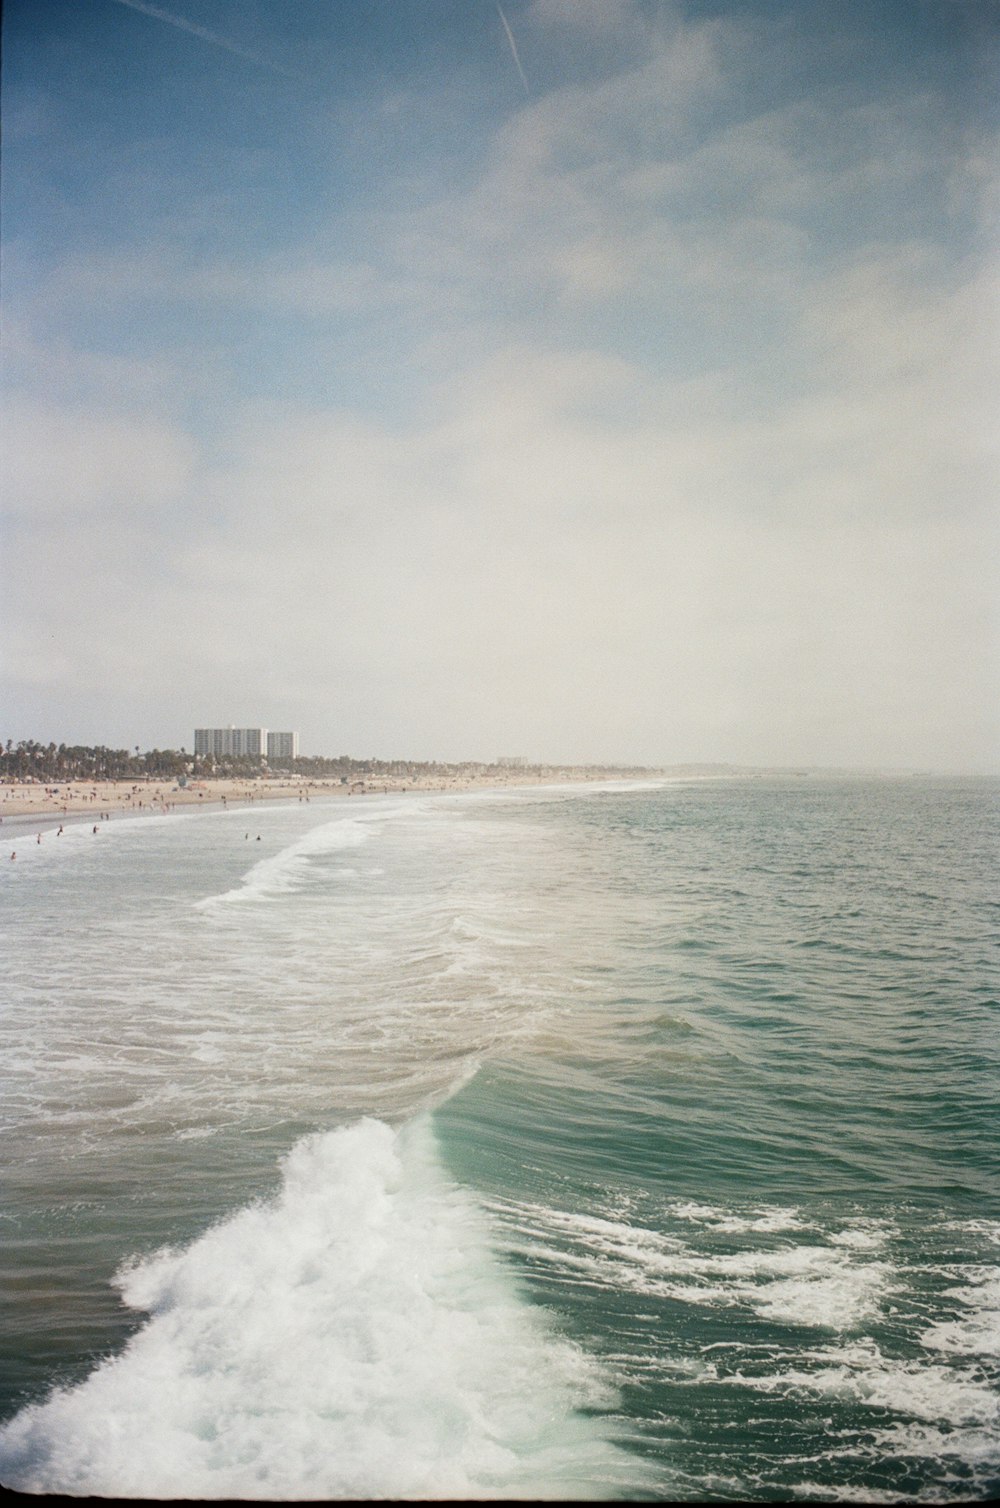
[[621, 1141]]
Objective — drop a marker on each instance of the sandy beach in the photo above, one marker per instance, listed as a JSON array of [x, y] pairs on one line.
[[21, 803]]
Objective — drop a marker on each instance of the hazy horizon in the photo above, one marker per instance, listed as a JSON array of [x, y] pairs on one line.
[[515, 762], [603, 381]]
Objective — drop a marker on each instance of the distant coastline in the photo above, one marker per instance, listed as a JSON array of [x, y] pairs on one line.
[[24, 802]]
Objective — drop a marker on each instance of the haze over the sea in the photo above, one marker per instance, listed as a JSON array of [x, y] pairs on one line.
[[593, 380]]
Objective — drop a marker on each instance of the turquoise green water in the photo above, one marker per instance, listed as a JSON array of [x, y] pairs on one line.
[[758, 1174], [635, 1143]]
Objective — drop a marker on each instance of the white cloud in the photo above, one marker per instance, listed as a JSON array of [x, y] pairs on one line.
[[680, 478], [64, 460], [631, 592]]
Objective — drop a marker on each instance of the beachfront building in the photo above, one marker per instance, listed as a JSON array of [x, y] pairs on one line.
[[234, 742], [282, 745]]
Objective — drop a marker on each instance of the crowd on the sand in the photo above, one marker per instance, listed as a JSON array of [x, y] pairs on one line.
[[106, 799]]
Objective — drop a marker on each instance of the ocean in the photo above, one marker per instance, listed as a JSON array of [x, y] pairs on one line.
[[623, 1141]]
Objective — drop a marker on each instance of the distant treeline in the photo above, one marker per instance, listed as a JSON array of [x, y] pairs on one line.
[[51, 763]]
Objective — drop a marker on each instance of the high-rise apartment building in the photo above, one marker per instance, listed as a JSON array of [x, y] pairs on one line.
[[254, 742], [232, 741], [282, 745]]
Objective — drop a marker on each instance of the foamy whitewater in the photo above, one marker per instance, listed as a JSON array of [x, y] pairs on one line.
[[607, 1142]]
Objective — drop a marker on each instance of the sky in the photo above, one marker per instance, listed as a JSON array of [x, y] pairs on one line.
[[587, 380]]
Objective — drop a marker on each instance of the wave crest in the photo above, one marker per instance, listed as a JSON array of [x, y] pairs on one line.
[[353, 1337]]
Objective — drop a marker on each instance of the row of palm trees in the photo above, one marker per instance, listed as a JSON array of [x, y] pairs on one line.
[[51, 763]]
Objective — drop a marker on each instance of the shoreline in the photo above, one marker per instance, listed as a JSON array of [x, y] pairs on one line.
[[24, 806]]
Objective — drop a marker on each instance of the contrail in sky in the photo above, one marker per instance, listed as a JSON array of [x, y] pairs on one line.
[[206, 35], [513, 47]]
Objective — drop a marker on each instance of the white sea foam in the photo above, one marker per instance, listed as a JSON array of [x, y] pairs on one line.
[[975, 1448], [843, 1492], [825, 1292], [766, 1218], [286, 871], [826, 1286], [990, 1229], [976, 1332], [861, 1239], [354, 1337], [861, 1372]]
